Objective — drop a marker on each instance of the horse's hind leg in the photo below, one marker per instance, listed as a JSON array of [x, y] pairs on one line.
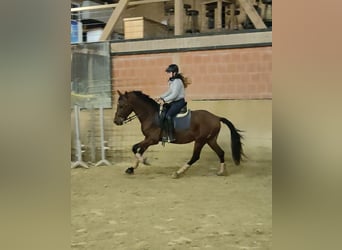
[[220, 153], [195, 156]]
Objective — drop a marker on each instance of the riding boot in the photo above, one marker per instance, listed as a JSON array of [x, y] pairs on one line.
[[171, 137], [164, 131]]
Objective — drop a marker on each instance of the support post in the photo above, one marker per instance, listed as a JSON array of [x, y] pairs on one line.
[[179, 17], [218, 16], [79, 162], [108, 29], [103, 160], [252, 14]]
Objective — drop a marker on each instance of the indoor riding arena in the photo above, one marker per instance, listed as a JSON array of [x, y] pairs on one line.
[[225, 49]]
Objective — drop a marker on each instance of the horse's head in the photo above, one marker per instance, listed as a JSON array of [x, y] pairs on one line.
[[123, 110]]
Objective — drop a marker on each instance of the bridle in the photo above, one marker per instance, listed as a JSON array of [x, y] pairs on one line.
[[128, 119]]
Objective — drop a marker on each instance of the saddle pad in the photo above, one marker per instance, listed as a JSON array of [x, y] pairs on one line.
[[182, 121]]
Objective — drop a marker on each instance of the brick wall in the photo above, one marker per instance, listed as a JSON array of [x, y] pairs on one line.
[[243, 73]]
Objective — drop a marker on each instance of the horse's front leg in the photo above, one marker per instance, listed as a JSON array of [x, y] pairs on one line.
[[138, 151], [138, 158]]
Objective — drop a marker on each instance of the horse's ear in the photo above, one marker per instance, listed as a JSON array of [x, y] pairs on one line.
[[120, 94]]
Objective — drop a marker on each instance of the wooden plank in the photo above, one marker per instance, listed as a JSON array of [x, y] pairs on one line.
[[108, 29], [215, 1], [134, 27], [113, 5], [141, 27], [252, 14], [204, 19], [89, 51]]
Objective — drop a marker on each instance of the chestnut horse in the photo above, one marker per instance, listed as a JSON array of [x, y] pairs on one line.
[[204, 129]]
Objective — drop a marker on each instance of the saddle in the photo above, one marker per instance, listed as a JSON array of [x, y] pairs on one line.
[[184, 111], [166, 106], [181, 121]]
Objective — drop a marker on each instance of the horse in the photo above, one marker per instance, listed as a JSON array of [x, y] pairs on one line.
[[204, 129]]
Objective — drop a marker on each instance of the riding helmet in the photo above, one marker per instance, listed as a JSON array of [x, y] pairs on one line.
[[172, 68]]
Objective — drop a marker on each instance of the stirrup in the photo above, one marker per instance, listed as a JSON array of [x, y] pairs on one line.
[[164, 139], [171, 139]]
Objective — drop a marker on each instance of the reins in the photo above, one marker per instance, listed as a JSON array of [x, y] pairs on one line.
[[130, 118]]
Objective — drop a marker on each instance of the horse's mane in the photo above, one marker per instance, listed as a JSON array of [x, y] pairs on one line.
[[146, 98]]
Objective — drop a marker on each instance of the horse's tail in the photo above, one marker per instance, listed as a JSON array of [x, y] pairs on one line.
[[236, 144]]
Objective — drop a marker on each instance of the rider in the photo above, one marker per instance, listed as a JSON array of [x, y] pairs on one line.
[[174, 97]]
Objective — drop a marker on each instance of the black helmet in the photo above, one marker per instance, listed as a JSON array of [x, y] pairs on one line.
[[172, 68]]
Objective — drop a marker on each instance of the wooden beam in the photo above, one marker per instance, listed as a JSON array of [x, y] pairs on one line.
[[179, 17], [108, 29], [113, 5], [252, 14], [193, 43], [87, 51], [218, 15]]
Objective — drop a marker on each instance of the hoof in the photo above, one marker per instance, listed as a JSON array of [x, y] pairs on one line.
[[129, 170], [175, 175], [145, 162], [224, 173]]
